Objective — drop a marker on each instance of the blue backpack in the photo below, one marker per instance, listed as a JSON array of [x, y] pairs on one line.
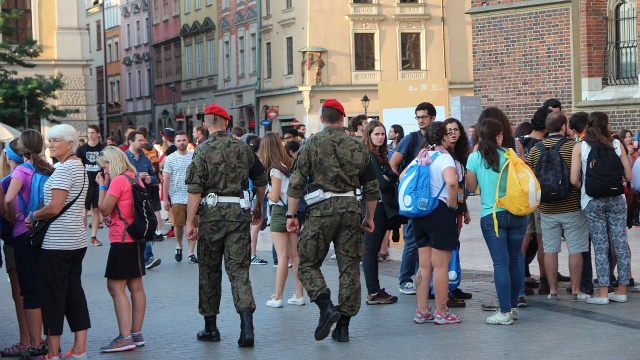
[[454, 271], [37, 191], [414, 191]]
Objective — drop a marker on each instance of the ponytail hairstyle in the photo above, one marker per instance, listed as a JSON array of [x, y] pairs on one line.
[[598, 129], [382, 153], [488, 130], [432, 136], [31, 145]]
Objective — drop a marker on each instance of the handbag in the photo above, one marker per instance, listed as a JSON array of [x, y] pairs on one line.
[[35, 236], [390, 203]]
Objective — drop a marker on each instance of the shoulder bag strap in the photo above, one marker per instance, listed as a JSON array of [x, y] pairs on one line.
[[66, 207], [125, 222]]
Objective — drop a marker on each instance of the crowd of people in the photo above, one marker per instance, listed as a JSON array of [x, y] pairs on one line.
[[336, 188]]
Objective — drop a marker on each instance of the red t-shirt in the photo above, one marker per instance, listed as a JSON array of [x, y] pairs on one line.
[[121, 190]]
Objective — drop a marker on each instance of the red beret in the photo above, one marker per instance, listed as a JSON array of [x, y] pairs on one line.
[[217, 110], [333, 103]]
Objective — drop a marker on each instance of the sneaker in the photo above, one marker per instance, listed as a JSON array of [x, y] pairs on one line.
[[381, 297], [178, 255], [598, 301], [459, 294], [446, 318], [553, 297], [158, 237], [41, 350], [522, 302], [274, 303], [170, 234], [255, 260], [151, 263], [490, 305], [454, 302], [333, 257], [515, 314], [193, 259], [383, 257], [421, 318], [583, 289], [498, 319], [138, 339], [617, 298], [14, 350], [580, 297], [296, 300], [95, 242], [71, 356], [407, 288], [119, 344], [635, 288]]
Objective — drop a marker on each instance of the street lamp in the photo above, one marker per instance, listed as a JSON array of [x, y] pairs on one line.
[[365, 104]]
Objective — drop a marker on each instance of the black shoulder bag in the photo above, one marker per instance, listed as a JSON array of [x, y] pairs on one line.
[[35, 236]]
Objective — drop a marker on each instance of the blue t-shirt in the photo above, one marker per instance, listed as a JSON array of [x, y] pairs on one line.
[[405, 143], [487, 180]]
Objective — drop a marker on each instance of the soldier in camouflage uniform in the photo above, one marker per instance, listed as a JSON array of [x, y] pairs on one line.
[[215, 180], [338, 165]]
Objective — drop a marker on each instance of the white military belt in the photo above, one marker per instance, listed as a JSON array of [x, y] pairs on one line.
[[329, 194], [212, 200]]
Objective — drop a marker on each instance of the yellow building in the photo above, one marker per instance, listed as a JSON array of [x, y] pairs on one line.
[[317, 50], [59, 26]]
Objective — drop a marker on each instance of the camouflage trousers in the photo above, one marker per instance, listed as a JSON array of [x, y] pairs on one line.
[[345, 232], [231, 240]]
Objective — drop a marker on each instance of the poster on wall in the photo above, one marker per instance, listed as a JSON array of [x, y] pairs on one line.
[[398, 101]]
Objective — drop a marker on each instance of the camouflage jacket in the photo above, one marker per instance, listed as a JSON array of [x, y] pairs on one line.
[[223, 165], [336, 162]]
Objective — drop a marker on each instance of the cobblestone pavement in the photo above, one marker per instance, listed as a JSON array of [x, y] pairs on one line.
[[545, 330]]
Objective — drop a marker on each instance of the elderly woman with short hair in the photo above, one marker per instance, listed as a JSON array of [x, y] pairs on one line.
[[64, 246]]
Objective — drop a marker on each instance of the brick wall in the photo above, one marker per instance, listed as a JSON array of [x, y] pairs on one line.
[[593, 37], [520, 60]]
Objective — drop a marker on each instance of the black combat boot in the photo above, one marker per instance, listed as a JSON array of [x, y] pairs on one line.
[[341, 331], [328, 316], [210, 332], [246, 329]]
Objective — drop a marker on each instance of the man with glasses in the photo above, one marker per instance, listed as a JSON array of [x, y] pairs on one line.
[[290, 134], [406, 151]]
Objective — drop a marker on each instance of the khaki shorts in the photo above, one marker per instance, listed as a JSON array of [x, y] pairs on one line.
[[575, 228], [179, 213], [9, 257], [533, 223]]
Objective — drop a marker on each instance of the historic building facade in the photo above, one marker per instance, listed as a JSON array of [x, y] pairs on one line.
[[584, 53]]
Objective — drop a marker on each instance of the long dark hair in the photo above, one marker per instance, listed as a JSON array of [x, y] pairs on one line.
[[598, 129], [382, 153], [461, 149], [398, 130], [523, 129], [488, 129], [434, 133], [497, 114], [31, 144]]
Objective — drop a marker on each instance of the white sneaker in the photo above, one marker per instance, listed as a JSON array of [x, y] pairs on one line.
[[333, 257], [274, 303], [498, 319], [635, 288], [296, 300]]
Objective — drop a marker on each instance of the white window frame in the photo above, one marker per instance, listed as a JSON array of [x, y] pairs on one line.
[[128, 35], [241, 55], [176, 7], [209, 2], [156, 11], [198, 4], [376, 44], [165, 9], [254, 52], [109, 51], [129, 90], [188, 65], [187, 6], [116, 48], [286, 57], [423, 54], [199, 60], [137, 32]]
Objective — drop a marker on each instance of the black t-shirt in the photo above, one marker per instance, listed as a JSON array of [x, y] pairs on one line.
[[89, 156], [170, 150]]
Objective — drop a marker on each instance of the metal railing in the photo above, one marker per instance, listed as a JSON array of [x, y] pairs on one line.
[[621, 56]]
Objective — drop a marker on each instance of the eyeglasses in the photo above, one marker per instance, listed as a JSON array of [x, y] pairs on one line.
[[452, 131], [422, 117]]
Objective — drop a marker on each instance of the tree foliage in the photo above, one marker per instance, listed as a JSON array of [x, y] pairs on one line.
[[14, 89]]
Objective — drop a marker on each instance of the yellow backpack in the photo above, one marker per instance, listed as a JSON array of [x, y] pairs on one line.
[[522, 195]]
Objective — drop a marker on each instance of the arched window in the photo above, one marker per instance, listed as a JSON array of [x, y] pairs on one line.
[[623, 43]]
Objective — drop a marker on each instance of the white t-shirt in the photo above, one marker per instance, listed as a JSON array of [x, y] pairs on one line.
[[586, 149], [284, 185], [176, 165], [442, 162], [67, 232]]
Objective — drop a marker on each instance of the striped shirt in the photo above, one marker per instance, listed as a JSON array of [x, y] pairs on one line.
[[570, 203], [68, 231]]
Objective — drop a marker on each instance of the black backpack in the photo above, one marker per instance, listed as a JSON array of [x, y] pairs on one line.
[[143, 227], [410, 156], [552, 173], [527, 143], [605, 173]]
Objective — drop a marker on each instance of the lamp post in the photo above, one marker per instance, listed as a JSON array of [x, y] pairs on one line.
[[365, 104], [172, 86], [103, 127]]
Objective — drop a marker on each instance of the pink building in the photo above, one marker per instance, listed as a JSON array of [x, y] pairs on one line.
[[167, 64], [136, 64]]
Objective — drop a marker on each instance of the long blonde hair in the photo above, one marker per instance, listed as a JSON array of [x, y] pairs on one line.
[[117, 160], [272, 153]]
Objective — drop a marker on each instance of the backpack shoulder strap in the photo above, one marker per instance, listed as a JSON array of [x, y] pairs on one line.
[[508, 156], [540, 146]]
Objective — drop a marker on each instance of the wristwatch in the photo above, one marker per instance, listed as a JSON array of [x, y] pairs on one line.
[[294, 216]]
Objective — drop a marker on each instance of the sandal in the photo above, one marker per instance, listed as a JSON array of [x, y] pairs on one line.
[[15, 350]]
